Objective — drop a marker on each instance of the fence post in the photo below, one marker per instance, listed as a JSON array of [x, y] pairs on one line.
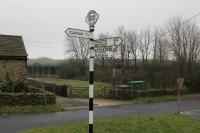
[[70, 90], [67, 91], [115, 93], [13, 91], [44, 93], [103, 91], [54, 88], [106, 93], [131, 93]]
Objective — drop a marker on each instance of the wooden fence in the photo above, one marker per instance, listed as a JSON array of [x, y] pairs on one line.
[[61, 90], [82, 92], [65, 90]]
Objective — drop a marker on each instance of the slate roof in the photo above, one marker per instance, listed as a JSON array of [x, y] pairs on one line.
[[12, 46]]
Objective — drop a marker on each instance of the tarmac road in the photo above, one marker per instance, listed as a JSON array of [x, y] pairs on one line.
[[13, 124]]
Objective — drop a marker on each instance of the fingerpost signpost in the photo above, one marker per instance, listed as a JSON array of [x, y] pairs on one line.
[[91, 20]]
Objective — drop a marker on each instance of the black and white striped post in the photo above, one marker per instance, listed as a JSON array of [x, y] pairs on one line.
[[91, 20], [91, 81]]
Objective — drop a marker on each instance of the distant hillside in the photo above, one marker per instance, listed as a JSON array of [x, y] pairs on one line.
[[43, 61], [49, 61]]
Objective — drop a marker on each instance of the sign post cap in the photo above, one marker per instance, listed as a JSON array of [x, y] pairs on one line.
[[91, 18]]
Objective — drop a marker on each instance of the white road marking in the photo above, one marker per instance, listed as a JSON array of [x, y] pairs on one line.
[[191, 112]]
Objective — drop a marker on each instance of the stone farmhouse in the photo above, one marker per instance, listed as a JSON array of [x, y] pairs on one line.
[[13, 57]]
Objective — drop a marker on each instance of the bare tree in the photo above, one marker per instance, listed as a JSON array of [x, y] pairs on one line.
[[145, 38], [133, 44], [141, 48], [78, 48], [184, 40], [160, 46], [122, 33]]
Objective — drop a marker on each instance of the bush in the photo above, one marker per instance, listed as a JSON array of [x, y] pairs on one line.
[[193, 82], [7, 85], [32, 89], [18, 85], [21, 99], [132, 94]]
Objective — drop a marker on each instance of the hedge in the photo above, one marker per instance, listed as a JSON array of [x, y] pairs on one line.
[[132, 94], [21, 99]]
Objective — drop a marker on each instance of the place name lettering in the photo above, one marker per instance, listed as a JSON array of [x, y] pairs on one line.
[[75, 32]]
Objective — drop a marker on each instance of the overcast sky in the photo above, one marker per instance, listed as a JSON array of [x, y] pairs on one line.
[[42, 22]]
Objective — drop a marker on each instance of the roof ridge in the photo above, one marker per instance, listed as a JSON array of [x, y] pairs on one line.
[[10, 35]]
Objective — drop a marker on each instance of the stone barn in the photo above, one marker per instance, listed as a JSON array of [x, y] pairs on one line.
[[13, 57]]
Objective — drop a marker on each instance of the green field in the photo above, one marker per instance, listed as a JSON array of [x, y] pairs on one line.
[[80, 88], [30, 109], [170, 123], [73, 83]]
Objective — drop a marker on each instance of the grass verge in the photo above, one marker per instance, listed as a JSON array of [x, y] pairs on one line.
[[170, 123], [147, 100], [30, 109], [142, 100]]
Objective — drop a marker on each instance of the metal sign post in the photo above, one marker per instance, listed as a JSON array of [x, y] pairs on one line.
[[91, 20]]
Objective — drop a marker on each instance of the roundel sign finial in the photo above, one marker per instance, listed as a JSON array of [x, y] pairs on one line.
[[92, 18]]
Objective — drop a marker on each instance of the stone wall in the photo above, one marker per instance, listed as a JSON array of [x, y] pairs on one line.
[[17, 69]]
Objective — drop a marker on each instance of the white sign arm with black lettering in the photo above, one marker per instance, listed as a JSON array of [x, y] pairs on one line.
[[78, 33], [108, 42]]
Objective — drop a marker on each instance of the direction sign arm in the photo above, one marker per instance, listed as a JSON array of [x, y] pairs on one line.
[[78, 33]]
